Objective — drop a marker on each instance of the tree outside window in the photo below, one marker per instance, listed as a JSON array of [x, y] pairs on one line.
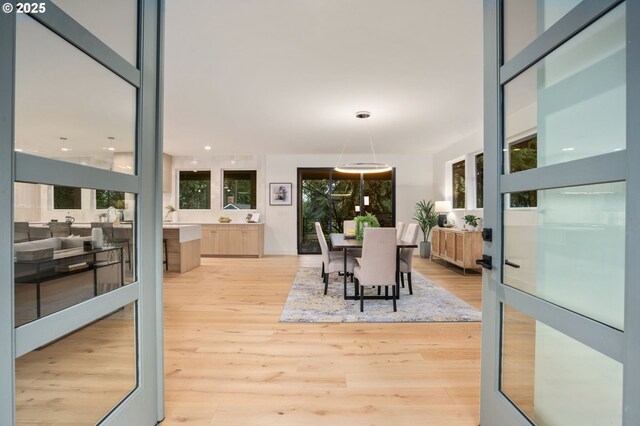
[[458, 182], [239, 189], [106, 199], [194, 190], [523, 155], [479, 180], [67, 198]]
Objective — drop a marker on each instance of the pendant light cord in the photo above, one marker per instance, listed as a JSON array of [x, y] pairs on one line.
[[373, 151]]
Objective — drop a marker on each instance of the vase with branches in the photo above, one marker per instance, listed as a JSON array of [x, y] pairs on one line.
[[427, 219]]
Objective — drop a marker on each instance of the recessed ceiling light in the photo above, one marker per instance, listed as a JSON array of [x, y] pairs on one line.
[[18, 150], [194, 162], [111, 148], [65, 149], [208, 148], [568, 149]]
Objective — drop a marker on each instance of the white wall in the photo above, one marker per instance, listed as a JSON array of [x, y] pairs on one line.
[[413, 183], [465, 148]]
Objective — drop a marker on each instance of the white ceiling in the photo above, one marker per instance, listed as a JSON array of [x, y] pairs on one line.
[[287, 76]]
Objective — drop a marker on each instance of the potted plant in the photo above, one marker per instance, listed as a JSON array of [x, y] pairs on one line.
[[364, 221], [427, 218], [169, 216], [471, 222]]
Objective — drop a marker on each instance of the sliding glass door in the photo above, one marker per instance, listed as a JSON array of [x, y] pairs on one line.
[[331, 197]]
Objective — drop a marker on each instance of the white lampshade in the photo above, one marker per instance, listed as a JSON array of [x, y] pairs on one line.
[[442, 207]]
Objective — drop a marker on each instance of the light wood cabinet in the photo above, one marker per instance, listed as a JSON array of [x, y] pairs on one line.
[[223, 239], [461, 248]]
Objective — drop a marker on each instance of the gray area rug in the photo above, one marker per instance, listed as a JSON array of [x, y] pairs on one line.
[[429, 303]]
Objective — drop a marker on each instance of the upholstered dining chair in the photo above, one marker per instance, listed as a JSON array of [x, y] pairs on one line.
[[400, 230], [377, 266], [406, 254], [21, 232], [332, 261], [60, 229], [351, 225]]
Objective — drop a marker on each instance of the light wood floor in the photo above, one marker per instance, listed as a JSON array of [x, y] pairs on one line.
[[228, 361]]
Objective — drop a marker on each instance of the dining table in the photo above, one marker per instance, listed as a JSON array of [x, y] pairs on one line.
[[349, 242]]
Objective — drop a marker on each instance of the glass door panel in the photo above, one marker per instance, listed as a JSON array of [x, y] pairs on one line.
[[345, 199], [378, 197], [314, 205], [554, 379]]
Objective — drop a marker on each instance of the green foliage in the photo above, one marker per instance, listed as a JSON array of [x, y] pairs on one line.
[[426, 217], [471, 220], [66, 197], [371, 222], [524, 156], [106, 199]]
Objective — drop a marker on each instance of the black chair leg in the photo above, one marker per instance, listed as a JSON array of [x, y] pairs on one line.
[[361, 298], [393, 289], [326, 283], [386, 291], [322, 274], [402, 279], [379, 289], [409, 282]]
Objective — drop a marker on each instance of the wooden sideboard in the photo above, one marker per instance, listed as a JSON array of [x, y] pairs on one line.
[[230, 239], [460, 248]]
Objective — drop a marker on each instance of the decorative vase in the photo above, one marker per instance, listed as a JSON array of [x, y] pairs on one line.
[[425, 249], [97, 238], [470, 227]]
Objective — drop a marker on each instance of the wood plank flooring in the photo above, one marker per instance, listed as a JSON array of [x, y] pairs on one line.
[[228, 361]]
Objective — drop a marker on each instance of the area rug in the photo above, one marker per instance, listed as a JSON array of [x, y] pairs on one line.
[[429, 303]]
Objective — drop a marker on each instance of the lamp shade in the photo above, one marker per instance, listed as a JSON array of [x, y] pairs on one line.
[[442, 207]]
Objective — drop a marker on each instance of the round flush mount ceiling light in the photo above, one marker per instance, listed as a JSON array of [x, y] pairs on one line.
[[208, 148], [363, 167]]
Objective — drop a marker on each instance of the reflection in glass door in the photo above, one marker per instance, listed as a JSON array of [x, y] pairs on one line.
[[558, 343], [331, 197]]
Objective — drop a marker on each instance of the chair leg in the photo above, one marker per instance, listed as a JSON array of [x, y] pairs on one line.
[[361, 298], [393, 289], [322, 274], [351, 277], [326, 283], [402, 279], [409, 282], [386, 291], [379, 289]]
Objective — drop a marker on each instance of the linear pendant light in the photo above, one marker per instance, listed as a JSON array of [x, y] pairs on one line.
[[363, 167]]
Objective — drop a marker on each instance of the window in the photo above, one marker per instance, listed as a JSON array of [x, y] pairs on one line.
[[479, 180], [106, 199], [66, 197], [239, 189], [195, 190], [523, 155], [458, 185]]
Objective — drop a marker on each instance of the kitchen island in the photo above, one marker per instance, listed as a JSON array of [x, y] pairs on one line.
[[182, 246]]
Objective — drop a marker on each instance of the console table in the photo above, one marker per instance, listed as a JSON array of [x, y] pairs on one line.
[[43, 270], [458, 247]]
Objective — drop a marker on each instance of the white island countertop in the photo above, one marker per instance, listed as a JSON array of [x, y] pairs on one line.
[[186, 232]]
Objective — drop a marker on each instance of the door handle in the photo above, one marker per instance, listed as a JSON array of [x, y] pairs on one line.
[[485, 262], [513, 265]]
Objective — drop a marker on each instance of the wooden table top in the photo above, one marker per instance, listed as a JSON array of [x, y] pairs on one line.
[[339, 241]]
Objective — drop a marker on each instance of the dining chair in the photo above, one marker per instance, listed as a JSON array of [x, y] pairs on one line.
[[400, 230], [122, 236], [351, 225], [21, 232], [332, 261], [406, 254], [377, 266], [60, 229]]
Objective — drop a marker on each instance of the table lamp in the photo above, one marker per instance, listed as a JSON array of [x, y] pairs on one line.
[[442, 207]]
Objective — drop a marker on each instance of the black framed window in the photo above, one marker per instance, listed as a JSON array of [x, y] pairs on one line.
[[67, 197], [479, 180], [239, 189], [458, 184], [106, 199], [195, 190]]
